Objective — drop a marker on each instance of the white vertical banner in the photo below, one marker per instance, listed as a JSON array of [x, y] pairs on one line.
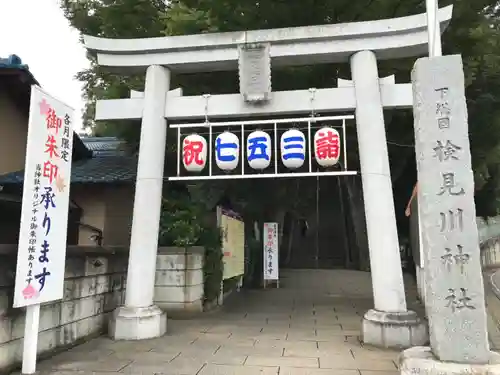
[[270, 241], [44, 216]]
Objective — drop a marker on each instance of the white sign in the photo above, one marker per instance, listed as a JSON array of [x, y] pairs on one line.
[[271, 265], [254, 66], [44, 217]]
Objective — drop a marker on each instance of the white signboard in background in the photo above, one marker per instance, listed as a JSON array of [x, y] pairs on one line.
[[44, 216], [233, 244], [271, 265]]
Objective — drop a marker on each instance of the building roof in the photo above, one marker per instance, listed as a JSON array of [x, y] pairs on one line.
[[95, 159], [13, 65], [108, 164], [104, 146], [96, 170]]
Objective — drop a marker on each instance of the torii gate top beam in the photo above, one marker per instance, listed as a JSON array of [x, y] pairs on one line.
[[388, 39]]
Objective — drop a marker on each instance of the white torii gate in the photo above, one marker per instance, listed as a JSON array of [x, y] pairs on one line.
[[361, 43]]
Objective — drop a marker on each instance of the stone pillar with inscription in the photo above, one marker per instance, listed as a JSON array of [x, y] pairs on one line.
[[453, 279]]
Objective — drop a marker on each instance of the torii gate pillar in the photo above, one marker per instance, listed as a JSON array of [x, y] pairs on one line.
[[389, 323], [140, 318]]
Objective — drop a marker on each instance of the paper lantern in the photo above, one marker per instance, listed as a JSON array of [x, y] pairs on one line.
[[293, 148], [227, 151], [259, 150], [327, 147], [194, 153]]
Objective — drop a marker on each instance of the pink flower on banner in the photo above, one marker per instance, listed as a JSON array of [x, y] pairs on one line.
[[44, 107], [29, 292]]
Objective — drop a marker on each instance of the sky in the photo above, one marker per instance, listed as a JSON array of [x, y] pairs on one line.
[[38, 33]]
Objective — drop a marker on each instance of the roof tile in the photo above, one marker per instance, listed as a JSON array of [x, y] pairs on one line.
[[107, 169]]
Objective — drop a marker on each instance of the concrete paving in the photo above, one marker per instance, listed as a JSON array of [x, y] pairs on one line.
[[310, 326]]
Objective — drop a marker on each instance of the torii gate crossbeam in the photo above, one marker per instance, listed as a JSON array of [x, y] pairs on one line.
[[388, 39]]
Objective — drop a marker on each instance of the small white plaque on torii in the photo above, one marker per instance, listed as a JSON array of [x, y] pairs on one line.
[[254, 66]]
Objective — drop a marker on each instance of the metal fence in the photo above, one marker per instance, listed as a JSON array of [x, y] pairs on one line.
[[487, 228]]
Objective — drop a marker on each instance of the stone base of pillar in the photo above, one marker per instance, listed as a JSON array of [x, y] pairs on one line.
[[394, 330], [135, 323], [420, 360]]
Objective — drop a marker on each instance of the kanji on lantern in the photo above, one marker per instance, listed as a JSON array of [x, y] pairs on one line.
[[259, 150], [194, 153], [293, 148], [227, 151], [327, 147]]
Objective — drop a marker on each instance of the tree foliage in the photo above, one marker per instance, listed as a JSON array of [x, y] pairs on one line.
[[473, 33], [113, 19], [183, 224]]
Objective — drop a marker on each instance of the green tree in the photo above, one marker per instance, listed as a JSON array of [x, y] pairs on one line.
[[113, 19], [474, 33]]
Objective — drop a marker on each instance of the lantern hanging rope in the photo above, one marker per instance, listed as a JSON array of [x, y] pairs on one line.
[[312, 91], [210, 135], [207, 98]]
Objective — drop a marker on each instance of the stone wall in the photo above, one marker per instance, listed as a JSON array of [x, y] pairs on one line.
[[179, 281], [489, 239], [489, 228], [490, 253], [489, 244], [94, 286]]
